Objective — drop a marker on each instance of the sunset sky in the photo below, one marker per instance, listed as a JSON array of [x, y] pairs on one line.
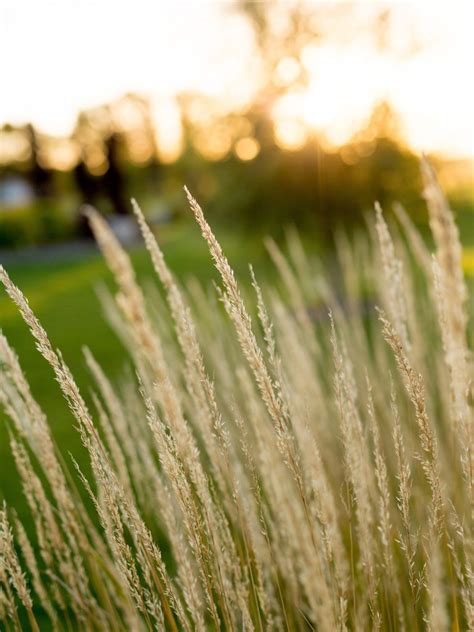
[[59, 57]]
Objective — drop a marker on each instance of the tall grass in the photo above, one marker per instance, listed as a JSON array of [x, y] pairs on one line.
[[297, 459]]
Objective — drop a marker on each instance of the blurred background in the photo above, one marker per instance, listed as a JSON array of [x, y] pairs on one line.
[[274, 114]]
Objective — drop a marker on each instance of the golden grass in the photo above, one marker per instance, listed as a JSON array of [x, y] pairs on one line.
[[293, 461]]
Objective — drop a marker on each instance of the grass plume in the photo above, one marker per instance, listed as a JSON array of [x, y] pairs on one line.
[[293, 461]]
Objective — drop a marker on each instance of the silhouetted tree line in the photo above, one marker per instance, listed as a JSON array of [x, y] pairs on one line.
[[309, 187]]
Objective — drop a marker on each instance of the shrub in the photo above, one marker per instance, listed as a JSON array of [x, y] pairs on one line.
[[39, 223]]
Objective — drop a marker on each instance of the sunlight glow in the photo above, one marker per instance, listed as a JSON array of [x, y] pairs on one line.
[[290, 133], [346, 83], [61, 57], [247, 148]]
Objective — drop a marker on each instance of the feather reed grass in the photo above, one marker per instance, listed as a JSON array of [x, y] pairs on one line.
[[293, 461]]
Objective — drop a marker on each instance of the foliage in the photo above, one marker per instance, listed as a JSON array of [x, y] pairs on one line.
[[311, 187], [43, 222]]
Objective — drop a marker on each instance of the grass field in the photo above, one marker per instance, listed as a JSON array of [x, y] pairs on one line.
[[312, 387], [63, 293]]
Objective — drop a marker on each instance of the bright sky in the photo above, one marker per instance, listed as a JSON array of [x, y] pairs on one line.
[[64, 55]]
